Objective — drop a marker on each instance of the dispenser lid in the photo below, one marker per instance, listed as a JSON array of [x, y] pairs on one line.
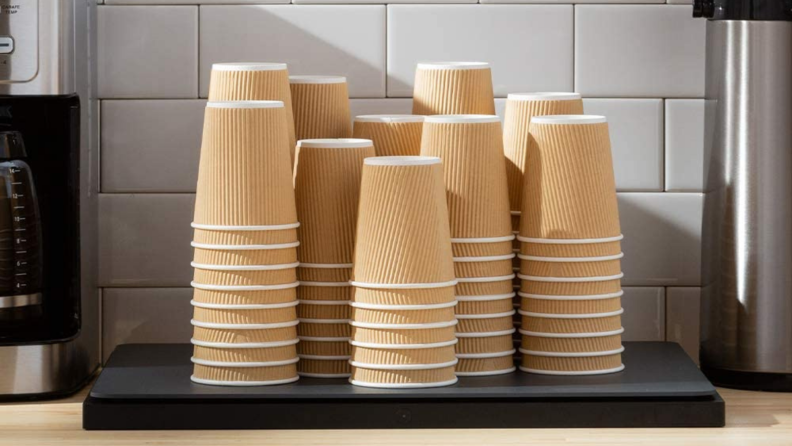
[[765, 10], [12, 145]]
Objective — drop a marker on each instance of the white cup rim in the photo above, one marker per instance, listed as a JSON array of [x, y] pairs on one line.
[[335, 143], [477, 240], [389, 118], [486, 355], [426, 326], [325, 284], [453, 65], [244, 104], [571, 373], [570, 279], [273, 267], [367, 306], [244, 306], [570, 241], [403, 346], [544, 96], [486, 334], [403, 286], [215, 382], [598, 334], [401, 160], [316, 79], [486, 298], [244, 344], [245, 228], [487, 372], [484, 258], [243, 326], [461, 119], [205, 362], [570, 259], [572, 297], [572, 354], [571, 316], [450, 382], [439, 365], [569, 119], [487, 315]]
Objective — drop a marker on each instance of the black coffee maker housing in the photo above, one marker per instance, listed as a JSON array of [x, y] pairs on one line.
[[49, 320]]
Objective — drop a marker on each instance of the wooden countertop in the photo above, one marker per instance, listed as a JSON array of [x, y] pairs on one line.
[[751, 418]]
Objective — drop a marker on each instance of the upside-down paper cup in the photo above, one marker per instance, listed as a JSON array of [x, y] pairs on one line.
[[571, 286], [393, 334], [572, 363], [244, 175], [486, 364], [570, 266], [493, 266], [247, 255], [324, 309], [577, 342], [243, 297], [571, 323], [485, 286], [415, 296], [327, 178], [245, 355], [445, 88], [485, 342], [324, 368], [321, 107], [403, 238], [403, 375], [232, 315], [569, 190], [474, 172], [244, 238], [566, 248], [520, 108], [501, 303], [244, 336], [484, 248], [485, 323], [325, 291], [393, 135], [314, 272], [603, 303], [324, 348], [372, 354], [254, 82], [245, 376], [324, 329], [402, 314], [245, 275]]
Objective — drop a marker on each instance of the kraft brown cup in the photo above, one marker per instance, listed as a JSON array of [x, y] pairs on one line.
[[238, 376], [485, 323], [236, 297], [310, 310], [568, 286], [434, 355], [340, 329], [417, 296], [324, 368], [215, 237], [471, 306], [321, 107], [520, 108], [445, 88], [312, 274], [478, 287], [254, 82], [568, 323], [244, 336], [569, 190], [232, 316], [423, 378], [324, 348], [485, 344], [482, 249], [272, 275], [570, 250], [572, 365], [327, 181], [593, 342], [335, 291], [606, 303], [571, 267], [486, 366], [220, 254], [487, 267], [393, 135], [380, 315], [244, 175], [231, 355], [474, 173], [403, 336], [403, 235]]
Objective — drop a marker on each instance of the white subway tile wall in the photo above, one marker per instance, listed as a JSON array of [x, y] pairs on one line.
[[640, 65]]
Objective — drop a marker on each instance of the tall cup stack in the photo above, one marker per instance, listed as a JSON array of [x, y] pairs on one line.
[[393, 135], [452, 88], [327, 187], [245, 244], [520, 108], [254, 81], [570, 267], [403, 311], [474, 169], [321, 107]]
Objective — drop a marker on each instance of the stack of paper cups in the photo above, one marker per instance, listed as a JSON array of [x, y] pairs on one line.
[[321, 107], [570, 266], [452, 88], [474, 175], [393, 135], [520, 108], [327, 187], [245, 244], [403, 311], [254, 81]]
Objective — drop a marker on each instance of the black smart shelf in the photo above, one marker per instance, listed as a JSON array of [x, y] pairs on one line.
[[149, 387]]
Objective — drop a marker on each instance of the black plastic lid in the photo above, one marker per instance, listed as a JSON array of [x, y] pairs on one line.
[[12, 146], [773, 10]]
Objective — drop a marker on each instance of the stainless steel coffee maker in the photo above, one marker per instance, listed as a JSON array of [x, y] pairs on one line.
[[746, 312]]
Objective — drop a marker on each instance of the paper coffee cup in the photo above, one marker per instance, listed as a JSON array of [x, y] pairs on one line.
[[569, 190], [571, 266], [499, 285], [327, 178], [484, 306], [403, 336], [418, 296], [240, 376], [324, 330], [379, 315], [484, 344], [258, 297], [318, 368], [594, 287], [215, 255], [486, 366], [393, 135], [605, 303], [590, 342], [245, 355], [306, 292], [550, 249], [254, 82], [520, 108], [243, 336], [572, 364], [310, 310], [272, 275], [244, 175], [312, 274], [486, 268], [403, 234], [445, 88], [481, 249], [403, 356], [485, 323], [221, 237], [321, 107], [406, 378], [324, 348], [232, 316], [474, 172], [571, 323]]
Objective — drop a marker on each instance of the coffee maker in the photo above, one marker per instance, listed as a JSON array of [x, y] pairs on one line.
[[746, 307], [49, 322]]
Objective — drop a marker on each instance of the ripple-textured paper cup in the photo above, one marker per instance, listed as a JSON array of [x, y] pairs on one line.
[[244, 355], [444, 88], [310, 291], [486, 305], [324, 368], [433, 355], [486, 267], [418, 296], [476, 287], [559, 288], [324, 348], [482, 249], [570, 267], [553, 363], [485, 344], [219, 237], [309, 310], [380, 315], [321, 107], [571, 323], [327, 178], [245, 173], [340, 329], [565, 250], [268, 275], [497, 365], [592, 342], [487, 323], [254, 82], [520, 108], [403, 235], [237, 297], [393, 135], [244, 376], [231, 316], [606, 303], [403, 336], [257, 254], [569, 190], [244, 336], [474, 173], [403, 378], [312, 274]]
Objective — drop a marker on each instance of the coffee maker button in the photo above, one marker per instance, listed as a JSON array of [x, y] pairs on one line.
[[6, 45]]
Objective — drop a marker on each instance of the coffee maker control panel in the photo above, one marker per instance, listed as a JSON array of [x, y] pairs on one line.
[[18, 40]]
